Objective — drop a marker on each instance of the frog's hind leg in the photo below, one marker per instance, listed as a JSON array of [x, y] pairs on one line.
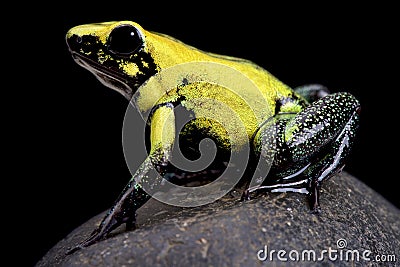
[[310, 146]]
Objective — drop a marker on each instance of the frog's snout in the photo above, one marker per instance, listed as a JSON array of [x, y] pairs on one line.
[[73, 41]]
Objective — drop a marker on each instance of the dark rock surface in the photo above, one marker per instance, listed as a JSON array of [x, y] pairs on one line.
[[231, 233]]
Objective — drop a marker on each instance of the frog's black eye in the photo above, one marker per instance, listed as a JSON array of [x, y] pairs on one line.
[[124, 40]]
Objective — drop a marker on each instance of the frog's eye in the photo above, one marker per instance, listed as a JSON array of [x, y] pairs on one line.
[[124, 40]]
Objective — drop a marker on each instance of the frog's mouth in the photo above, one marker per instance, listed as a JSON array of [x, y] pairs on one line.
[[106, 76]]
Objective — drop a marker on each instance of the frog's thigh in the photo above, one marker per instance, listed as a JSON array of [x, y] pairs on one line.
[[305, 135], [313, 143], [320, 125]]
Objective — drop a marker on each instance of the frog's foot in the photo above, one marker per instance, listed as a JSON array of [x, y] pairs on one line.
[[298, 185], [97, 235], [123, 211], [109, 223]]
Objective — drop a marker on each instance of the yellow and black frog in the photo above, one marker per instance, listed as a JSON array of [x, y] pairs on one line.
[[312, 130]]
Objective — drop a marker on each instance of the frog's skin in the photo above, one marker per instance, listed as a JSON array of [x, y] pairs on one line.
[[314, 130]]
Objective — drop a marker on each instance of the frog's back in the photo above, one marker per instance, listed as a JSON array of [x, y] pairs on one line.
[[239, 86], [163, 46]]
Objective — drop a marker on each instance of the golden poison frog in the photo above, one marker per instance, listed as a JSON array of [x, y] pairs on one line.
[[312, 131]]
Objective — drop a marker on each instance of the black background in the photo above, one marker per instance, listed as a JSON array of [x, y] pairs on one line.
[[68, 156]]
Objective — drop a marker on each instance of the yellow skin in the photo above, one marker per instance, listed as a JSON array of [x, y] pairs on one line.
[[128, 58], [168, 52]]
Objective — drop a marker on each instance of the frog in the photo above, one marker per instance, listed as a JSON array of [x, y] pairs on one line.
[[314, 130]]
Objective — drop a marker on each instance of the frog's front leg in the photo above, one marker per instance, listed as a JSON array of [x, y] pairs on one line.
[[309, 146], [162, 134]]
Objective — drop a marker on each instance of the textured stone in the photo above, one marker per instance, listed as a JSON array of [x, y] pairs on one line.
[[230, 233]]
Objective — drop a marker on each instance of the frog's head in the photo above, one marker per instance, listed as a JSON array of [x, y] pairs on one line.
[[117, 53]]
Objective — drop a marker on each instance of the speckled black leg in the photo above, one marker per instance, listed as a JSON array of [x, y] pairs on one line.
[[331, 161], [134, 196], [323, 134], [310, 146], [124, 209]]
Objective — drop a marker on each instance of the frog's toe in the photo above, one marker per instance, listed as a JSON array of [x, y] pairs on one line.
[[316, 210], [93, 238], [245, 196], [73, 249]]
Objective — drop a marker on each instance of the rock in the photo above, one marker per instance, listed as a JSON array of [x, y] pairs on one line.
[[355, 220]]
